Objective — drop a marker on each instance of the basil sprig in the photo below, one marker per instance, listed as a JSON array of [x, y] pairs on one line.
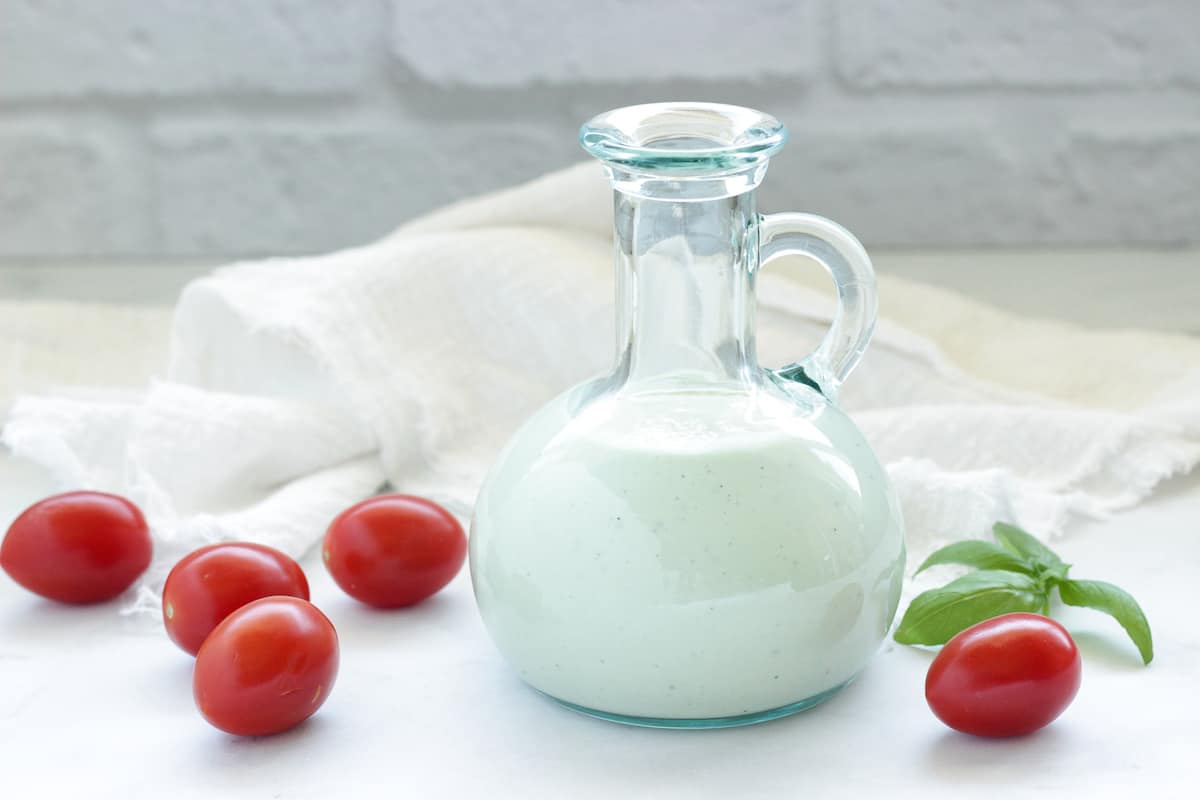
[[1016, 573]]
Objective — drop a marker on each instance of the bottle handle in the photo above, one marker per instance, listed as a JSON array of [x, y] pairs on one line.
[[844, 257]]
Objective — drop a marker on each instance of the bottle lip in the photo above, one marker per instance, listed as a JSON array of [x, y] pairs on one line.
[[683, 138]]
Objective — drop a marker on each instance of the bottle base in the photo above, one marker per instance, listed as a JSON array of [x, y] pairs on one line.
[[702, 723]]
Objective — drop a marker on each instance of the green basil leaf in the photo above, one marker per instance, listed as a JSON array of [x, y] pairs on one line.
[[935, 616], [1115, 602], [978, 554], [1025, 544], [1055, 575]]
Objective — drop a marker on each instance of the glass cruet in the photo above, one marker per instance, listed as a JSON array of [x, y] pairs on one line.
[[693, 540]]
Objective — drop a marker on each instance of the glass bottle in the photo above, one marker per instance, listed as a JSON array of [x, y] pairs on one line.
[[693, 540]]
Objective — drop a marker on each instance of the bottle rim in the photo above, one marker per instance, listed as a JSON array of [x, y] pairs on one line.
[[685, 138]]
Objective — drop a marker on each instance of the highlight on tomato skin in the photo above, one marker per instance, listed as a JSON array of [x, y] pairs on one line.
[[266, 668], [394, 550], [210, 583], [1006, 676], [78, 547]]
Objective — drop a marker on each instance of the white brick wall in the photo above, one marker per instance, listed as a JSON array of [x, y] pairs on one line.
[[270, 126], [65, 192], [1036, 44], [516, 43], [283, 182], [71, 49]]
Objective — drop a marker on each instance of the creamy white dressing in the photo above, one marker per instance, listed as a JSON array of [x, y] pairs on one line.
[[687, 555]]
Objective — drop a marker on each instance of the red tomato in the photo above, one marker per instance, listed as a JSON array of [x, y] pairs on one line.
[[267, 667], [394, 550], [212, 582], [1006, 676], [78, 547]]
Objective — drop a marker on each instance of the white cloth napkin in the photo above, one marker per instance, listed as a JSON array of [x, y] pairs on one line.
[[297, 386]]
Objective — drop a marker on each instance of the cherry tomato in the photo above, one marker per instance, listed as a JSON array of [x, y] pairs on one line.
[[267, 667], [212, 582], [78, 547], [1006, 676], [394, 550]]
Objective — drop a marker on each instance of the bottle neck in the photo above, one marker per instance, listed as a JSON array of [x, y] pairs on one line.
[[685, 291]]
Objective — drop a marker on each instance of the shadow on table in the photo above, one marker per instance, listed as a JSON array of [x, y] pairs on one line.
[[1114, 653], [34, 619], [250, 749], [960, 758], [360, 625]]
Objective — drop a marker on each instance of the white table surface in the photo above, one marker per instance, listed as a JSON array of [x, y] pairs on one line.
[[96, 705]]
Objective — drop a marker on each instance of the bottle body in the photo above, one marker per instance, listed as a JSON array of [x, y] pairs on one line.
[[690, 554], [693, 540]]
